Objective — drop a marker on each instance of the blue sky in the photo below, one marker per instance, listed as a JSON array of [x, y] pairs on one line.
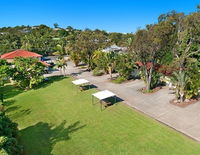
[[109, 15]]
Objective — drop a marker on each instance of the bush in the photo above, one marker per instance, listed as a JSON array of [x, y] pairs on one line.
[[8, 136], [119, 80], [125, 65], [97, 72], [193, 82]]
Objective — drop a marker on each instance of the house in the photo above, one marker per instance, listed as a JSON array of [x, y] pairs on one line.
[[115, 48], [25, 54], [20, 53]]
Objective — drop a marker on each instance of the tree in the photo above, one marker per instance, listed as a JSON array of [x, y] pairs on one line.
[[56, 25], [60, 50], [105, 61], [61, 63], [186, 54], [87, 42], [149, 46], [28, 72]]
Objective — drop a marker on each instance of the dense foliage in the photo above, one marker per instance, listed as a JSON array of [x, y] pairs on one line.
[[4, 71], [8, 136], [27, 72]]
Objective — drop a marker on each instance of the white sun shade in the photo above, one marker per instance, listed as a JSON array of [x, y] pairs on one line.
[[103, 94], [80, 81]]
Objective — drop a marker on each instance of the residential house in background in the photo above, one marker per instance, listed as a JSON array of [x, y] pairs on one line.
[[115, 48], [9, 57]]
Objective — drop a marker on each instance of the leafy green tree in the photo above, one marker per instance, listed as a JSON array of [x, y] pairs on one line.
[[149, 46], [28, 72], [186, 54], [56, 25], [87, 42]]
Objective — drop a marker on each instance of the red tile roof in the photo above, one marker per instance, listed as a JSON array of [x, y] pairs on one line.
[[20, 53]]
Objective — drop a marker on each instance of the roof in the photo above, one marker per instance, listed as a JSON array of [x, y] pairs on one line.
[[80, 81], [20, 53], [103, 94], [114, 48]]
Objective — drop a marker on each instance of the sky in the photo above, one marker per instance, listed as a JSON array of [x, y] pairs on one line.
[[111, 15]]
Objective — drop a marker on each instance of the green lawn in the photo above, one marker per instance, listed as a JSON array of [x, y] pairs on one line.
[[57, 119]]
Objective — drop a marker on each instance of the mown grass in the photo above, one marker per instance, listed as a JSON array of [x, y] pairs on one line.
[[58, 119]]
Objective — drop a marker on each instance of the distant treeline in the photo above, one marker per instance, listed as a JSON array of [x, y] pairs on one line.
[[43, 39]]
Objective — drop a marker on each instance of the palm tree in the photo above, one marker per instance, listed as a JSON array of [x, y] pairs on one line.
[[60, 50], [179, 80], [110, 62], [62, 65], [75, 57]]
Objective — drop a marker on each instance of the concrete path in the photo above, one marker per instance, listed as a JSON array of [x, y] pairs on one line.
[[156, 105]]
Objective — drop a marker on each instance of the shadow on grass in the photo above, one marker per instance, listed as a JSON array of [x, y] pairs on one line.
[[13, 108], [8, 103], [10, 91], [105, 103], [16, 113], [42, 137], [50, 80]]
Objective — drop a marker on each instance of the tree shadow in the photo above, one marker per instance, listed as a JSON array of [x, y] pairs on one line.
[[42, 137], [19, 113], [13, 108], [9, 102], [10, 91], [49, 81]]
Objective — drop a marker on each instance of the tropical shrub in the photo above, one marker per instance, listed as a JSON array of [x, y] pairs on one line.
[[98, 72], [193, 83], [75, 57], [180, 81], [119, 79], [106, 62], [125, 65]]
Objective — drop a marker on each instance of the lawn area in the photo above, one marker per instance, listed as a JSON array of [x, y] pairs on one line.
[[57, 119]]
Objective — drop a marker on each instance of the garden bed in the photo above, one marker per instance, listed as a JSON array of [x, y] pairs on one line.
[[144, 91], [183, 104]]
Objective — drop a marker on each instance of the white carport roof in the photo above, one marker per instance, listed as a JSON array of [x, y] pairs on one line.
[[103, 94], [80, 81]]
